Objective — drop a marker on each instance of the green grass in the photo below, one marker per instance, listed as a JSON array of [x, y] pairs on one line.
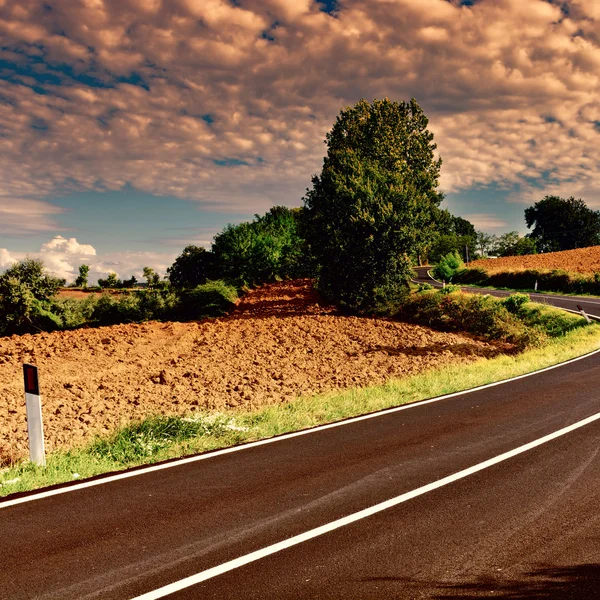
[[161, 438]]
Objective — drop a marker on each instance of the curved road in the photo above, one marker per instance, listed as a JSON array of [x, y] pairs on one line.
[[590, 304], [479, 494]]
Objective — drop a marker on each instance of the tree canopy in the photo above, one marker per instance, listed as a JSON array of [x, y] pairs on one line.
[[374, 204], [193, 267], [562, 224]]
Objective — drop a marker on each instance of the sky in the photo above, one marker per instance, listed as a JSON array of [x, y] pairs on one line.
[[132, 128]]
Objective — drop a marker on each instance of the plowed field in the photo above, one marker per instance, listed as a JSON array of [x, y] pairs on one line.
[[278, 344], [582, 260]]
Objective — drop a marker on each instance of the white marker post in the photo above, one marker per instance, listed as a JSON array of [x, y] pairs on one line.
[[584, 314], [35, 425]]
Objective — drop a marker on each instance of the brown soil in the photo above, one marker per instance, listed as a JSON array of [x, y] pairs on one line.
[[582, 260], [278, 344]]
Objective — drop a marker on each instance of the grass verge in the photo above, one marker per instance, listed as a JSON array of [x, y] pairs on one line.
[[161, 438]]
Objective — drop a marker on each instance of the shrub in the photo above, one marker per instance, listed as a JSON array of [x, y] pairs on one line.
[[156, 303], [515, 301], [26, 292], [74, 313], [212, 299], [448, 266], [424, 287], [450, 289], [112, 310], [481, 315]]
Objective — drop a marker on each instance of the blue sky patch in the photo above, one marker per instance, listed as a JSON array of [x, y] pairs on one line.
[[229, 162]]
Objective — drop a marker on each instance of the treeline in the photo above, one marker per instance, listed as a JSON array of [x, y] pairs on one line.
[[29, 302], [200, 282], [270, 247]]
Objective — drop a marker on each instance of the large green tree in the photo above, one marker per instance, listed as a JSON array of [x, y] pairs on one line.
[[562, 224], [374, 204]]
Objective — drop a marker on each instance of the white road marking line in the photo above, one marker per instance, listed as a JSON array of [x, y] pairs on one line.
[[377, 508], [287, 436]]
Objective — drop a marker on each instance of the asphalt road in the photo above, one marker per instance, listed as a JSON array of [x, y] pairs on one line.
[[527, 527], [590, 304]]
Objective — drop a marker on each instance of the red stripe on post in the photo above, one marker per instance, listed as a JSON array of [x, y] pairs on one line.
[[30, 375]]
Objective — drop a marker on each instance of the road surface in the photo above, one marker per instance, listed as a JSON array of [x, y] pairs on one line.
[[526, 526]]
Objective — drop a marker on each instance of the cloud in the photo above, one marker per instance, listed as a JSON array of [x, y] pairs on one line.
[[62, 258], [486, 221], [6, 260], [26, 216], [60, 244], [227, 104]]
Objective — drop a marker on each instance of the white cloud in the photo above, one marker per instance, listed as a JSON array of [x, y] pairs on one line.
[[60, 244], [62, 259], [6, 260]]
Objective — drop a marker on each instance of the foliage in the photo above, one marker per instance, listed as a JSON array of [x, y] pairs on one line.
[[111, 282], [480, 315], [82, 279], [424, 287], [486, 243], [130, 283], [114, 309], [374, 203], [471, 276], [448, 266], [454, 234], [152, 278], [562, 224], [514, 302], [512, 244], [193, 267], [74, 313], [557, 280], [26, 293], [212, 299], [268, 248], [513, 319]]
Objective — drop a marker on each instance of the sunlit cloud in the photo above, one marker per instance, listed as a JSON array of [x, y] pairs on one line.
[[227, 104]]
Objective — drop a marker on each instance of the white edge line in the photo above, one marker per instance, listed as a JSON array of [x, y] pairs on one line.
[[287, 436], [367, 512]]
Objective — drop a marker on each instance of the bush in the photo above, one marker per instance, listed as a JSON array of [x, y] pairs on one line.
[[112, 310], [212, 299], [74, 313], [156, 303], [448, 266], [514, 302], [26, 293], [483, 316]]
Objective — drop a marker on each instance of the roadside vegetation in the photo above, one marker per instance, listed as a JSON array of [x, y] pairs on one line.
[[162, 438]]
